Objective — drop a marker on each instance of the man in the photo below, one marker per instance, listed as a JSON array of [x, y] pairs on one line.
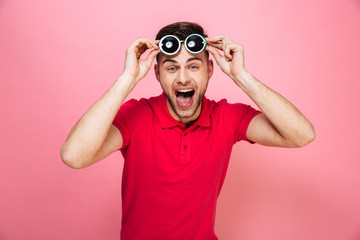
[[177, 145]]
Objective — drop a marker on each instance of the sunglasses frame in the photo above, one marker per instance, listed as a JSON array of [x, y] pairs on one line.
[[180, 41]]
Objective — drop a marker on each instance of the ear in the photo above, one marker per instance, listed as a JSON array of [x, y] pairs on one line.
[[156, 70], [210, 68]]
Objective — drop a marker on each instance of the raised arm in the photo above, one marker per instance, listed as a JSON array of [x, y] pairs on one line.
[[281, 123], [94, 137]]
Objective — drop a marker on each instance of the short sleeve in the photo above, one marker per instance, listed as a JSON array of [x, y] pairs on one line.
[[239, 117], [127, 119]]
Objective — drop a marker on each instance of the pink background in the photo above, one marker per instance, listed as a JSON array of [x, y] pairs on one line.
[[58, 57]]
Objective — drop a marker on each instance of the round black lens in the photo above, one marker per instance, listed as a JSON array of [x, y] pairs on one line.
[[170, 45], [195, 43]]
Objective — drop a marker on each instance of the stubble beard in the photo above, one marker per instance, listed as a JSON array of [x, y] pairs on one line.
[[185, 113]]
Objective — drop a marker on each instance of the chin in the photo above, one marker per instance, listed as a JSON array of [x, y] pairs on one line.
[[186, 113], [181, 110]]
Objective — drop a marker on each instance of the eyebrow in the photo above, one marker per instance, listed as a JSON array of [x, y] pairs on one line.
[[189, 60]]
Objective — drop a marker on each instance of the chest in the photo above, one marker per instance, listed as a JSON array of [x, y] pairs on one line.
[[195, 156]]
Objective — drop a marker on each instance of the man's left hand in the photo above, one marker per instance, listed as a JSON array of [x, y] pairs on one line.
[[232, 60]]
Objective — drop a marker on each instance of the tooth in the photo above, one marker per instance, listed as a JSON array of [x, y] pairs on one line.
[[186, 90]]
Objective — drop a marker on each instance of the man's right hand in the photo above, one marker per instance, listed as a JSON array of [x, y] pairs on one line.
[[135, 67]]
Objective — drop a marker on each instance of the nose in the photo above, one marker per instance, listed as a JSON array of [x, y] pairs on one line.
[[183, 77]]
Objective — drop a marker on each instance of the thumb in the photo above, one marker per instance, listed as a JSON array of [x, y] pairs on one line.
[[150, 58], [214, 52]]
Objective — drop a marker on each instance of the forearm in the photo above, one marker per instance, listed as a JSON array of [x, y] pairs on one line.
[[89, 133], [289, 122]]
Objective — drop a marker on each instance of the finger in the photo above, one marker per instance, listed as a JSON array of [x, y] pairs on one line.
[[138, 47], [220, 44], [227, 51], [209, 41], [154, 43], [150, 58], [149, 44], [214, 52], [143, 44], [214, 39], [217, 45], [217, 38], [138, 42], [141, 49]]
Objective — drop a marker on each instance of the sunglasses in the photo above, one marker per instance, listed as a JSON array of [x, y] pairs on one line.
[[194, 43]]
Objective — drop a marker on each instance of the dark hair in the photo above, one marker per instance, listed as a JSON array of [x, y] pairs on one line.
[[181, 30]]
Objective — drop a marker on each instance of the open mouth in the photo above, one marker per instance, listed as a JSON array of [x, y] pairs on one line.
[[185, 97]]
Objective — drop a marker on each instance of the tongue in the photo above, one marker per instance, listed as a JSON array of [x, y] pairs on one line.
[[184, 100]]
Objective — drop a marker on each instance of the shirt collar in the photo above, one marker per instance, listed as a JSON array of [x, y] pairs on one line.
[[167, 121]]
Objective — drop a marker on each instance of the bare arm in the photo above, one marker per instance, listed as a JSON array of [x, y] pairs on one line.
[[281, 123], [94, 137]]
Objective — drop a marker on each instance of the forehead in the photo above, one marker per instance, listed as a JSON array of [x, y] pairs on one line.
[[182, 56]]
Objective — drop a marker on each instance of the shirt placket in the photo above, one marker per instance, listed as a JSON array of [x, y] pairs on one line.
[[185, 146]]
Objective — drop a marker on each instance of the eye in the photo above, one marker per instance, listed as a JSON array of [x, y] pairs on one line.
[[193, 67], [171, 69]]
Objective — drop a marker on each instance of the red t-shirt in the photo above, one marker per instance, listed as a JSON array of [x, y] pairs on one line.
[[172, 174]]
